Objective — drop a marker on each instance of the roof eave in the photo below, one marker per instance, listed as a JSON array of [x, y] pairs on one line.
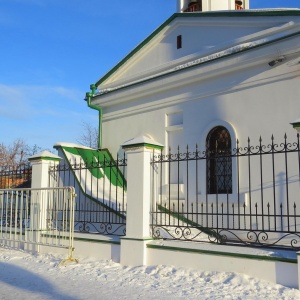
[[240, 13], [160, 76]]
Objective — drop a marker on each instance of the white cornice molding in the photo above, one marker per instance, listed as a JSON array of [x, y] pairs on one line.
[[261, 39], [235, 21], [118, 80], [146, 104], [198, 74], [158, 103]]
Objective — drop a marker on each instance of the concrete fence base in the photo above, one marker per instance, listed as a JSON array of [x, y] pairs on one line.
[[138, 248], [279, 267]]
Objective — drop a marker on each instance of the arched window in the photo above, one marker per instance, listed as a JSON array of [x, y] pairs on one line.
[[218, 162], [238, 4]]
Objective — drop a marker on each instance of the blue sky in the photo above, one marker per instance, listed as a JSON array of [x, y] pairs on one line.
[[52, 50]]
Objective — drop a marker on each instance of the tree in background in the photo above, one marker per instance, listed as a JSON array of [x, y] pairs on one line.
[[16, 154], [89, 136], [15, 171]]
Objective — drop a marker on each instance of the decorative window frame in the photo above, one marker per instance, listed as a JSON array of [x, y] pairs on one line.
[[232, 197], [218, 169]]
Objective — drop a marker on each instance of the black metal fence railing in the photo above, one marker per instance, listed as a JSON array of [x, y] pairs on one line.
[[18, 176], [255, 202], [100, 187]]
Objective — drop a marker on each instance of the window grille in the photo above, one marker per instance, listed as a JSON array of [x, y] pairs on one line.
[[219, 161]]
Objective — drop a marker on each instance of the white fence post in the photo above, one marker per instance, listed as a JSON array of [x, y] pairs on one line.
[[41, 163], [40, 168], [38, 205], [139, 152]]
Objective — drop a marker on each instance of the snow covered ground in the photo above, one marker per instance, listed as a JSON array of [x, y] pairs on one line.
[[27, 276]]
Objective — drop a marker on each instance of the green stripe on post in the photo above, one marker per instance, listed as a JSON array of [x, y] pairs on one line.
[[146, 145]]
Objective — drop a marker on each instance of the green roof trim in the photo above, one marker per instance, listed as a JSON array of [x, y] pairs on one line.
[[81, 188], [136, 49], [136, 239], [227, 14], [243, 13], [146, 145], [296, 125], [94, 158], [89, 158], [96, 241], [89, 240], [44, 158], [202, 63], [228, 254], [88, 97], [184, 219]]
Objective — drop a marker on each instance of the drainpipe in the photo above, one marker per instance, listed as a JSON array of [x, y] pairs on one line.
[[88, 99]]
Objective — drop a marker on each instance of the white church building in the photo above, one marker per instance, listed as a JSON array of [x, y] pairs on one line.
[[203, 115], [198, 159], [213, 63], [215, 74]]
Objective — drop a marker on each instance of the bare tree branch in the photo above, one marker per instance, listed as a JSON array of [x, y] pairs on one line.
[[16, 154], [89, 137]]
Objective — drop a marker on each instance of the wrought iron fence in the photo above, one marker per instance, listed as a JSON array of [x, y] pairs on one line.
[[100, 186], [255, 201], [18, 176]]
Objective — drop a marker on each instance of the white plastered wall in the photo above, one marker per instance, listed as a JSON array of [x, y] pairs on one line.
[[255, 103]]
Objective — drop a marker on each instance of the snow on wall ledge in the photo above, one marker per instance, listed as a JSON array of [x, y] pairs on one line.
[[96, 173]]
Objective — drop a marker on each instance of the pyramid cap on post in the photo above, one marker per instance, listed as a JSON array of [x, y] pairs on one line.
[[142, 141], [45, 155], [296, 124]]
